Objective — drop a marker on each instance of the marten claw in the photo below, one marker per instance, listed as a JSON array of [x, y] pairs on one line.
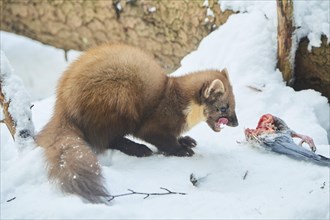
[[179, 152], [184, 152], [187, 142]]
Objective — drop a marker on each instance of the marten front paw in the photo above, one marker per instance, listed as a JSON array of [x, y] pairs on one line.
[[187, 142], [184, 152]]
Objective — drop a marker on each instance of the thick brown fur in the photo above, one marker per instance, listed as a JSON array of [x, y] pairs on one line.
[[115, 90]]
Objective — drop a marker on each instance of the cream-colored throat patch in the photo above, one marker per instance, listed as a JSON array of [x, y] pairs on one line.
[[194, 115]]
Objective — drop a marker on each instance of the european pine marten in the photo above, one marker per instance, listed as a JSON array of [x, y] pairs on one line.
[[116, 90]]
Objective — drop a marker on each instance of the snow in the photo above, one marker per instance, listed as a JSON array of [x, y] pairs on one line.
[[275, 186], [38, 65], [152, 9], [19, 102], [209, 12], [310, 17], [206, 3]]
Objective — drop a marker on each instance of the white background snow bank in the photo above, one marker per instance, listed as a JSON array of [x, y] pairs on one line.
[[38, 65], [276, 186]]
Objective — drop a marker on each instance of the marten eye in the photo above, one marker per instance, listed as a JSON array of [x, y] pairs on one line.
[[223, 109]]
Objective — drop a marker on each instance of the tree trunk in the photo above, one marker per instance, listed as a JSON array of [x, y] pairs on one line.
[[284, 39], [169, 29], [312, 68]]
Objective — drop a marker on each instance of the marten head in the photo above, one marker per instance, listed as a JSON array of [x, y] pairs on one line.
[[219, 103]]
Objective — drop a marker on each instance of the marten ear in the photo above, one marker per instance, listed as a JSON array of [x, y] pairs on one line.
[[225, 71], [216, 86]]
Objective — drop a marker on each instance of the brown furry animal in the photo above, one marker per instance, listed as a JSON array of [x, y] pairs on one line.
[[115, 90]]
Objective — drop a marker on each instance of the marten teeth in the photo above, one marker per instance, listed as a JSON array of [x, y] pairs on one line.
[[218, 126]]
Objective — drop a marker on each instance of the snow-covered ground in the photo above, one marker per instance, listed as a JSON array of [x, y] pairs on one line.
[[275, 186]]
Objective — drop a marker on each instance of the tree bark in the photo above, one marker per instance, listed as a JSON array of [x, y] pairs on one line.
[[312, 68], [7, 119], [285, 30], [169, 29]]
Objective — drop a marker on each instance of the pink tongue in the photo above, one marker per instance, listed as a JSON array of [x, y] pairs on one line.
[[223, 121]]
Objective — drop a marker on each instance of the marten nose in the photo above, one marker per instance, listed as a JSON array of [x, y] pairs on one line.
[[233, 122]]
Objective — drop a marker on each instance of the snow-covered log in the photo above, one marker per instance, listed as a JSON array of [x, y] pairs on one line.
[[15, 104], [167, 29]]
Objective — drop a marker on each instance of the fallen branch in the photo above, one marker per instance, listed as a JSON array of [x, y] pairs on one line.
[[7, 120], [132, 192], [9, 200], [254, 88], [245, 175]]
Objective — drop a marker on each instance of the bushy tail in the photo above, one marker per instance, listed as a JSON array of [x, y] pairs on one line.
[[73, 165]]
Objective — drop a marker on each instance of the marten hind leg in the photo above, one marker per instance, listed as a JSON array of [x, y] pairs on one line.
[[130, 147]]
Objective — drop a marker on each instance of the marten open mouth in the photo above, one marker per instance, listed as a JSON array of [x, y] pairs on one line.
[[218, 124]]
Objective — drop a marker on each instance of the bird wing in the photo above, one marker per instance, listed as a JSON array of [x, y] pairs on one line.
[[284, 144]]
